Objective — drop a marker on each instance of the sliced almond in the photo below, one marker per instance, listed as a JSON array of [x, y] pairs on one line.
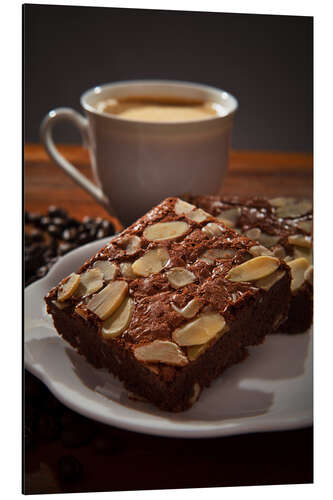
[[268, 240], [119, 321], [253, 269], [279, 252], [161, 351], [195, 393], [229, 217], [308, 275], [179, 276], [68, 287], [190, 310], [300, 240], [305, 225], [91, 281], [210, 256], [182, 207], [281, 201], [303, 252], [194, 351], [270, 280], [289, 207], [213, 229], [258, 250], [151, 262], [254, 233], [126, 270], [298, 268], [107, 268], [131, 244], [198, 215], [165, 230], [104, 303], [200, 330]]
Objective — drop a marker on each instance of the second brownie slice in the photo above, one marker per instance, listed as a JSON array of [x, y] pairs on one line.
[[171, 302]]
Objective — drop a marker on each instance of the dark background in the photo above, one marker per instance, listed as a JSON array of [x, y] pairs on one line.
[[265, 61]]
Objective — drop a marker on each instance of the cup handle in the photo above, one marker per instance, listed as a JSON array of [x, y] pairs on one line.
[[61, 114]]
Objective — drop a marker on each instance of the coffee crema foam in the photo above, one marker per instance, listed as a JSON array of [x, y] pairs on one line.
[[160, 109]]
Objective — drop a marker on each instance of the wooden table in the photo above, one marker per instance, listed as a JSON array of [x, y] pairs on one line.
[[148, 462]]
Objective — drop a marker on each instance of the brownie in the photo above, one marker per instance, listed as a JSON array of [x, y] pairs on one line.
[[170, 302], [284, 225]]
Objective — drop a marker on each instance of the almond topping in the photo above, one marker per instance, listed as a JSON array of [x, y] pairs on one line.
[[126, 270], [131, 244], [289, 207], [298, 268], [91, 281], [68, 287], [308, 275], [305, 225], [198, 215], [210, 256], [119, 321], [253, 269], [229, 217], [254, 233], [270, 280], [303, 252], [258, 250], [165, 230], [151, 262], [300, 240], [182, 207], [179, 276], [268, 240], [105, 302], [200, 330], [107, 268], [213, 229], [279, 252], [190, 310], [161, 351]]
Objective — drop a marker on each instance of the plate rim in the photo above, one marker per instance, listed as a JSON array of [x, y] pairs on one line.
[[215, 428]]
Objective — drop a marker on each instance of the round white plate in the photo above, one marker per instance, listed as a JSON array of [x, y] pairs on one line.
[[271, 390]]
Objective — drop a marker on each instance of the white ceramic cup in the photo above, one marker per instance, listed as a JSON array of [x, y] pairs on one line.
[[137, 164]]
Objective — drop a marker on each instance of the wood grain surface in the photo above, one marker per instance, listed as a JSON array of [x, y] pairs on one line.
[[151, 462], [265, 173]]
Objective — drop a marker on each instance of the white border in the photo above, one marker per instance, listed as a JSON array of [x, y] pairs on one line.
[[10, 33]]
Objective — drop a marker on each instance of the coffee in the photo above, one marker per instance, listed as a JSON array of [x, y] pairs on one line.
[[160, 109]]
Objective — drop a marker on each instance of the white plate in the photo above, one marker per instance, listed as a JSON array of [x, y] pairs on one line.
[[271, 390]]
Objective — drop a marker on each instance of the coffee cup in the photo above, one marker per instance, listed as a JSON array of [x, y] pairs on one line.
[[138, 158]]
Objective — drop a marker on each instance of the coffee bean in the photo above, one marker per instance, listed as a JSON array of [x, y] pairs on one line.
[[57, 212], [69, 468], [33, 236], [83, 238], [101, 233], [47, 428], [34, 218], [69, 234], [108, 227], [45, 221], [70, 222], [54, 230], [88, 220], [76, 436], [106, 445]]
